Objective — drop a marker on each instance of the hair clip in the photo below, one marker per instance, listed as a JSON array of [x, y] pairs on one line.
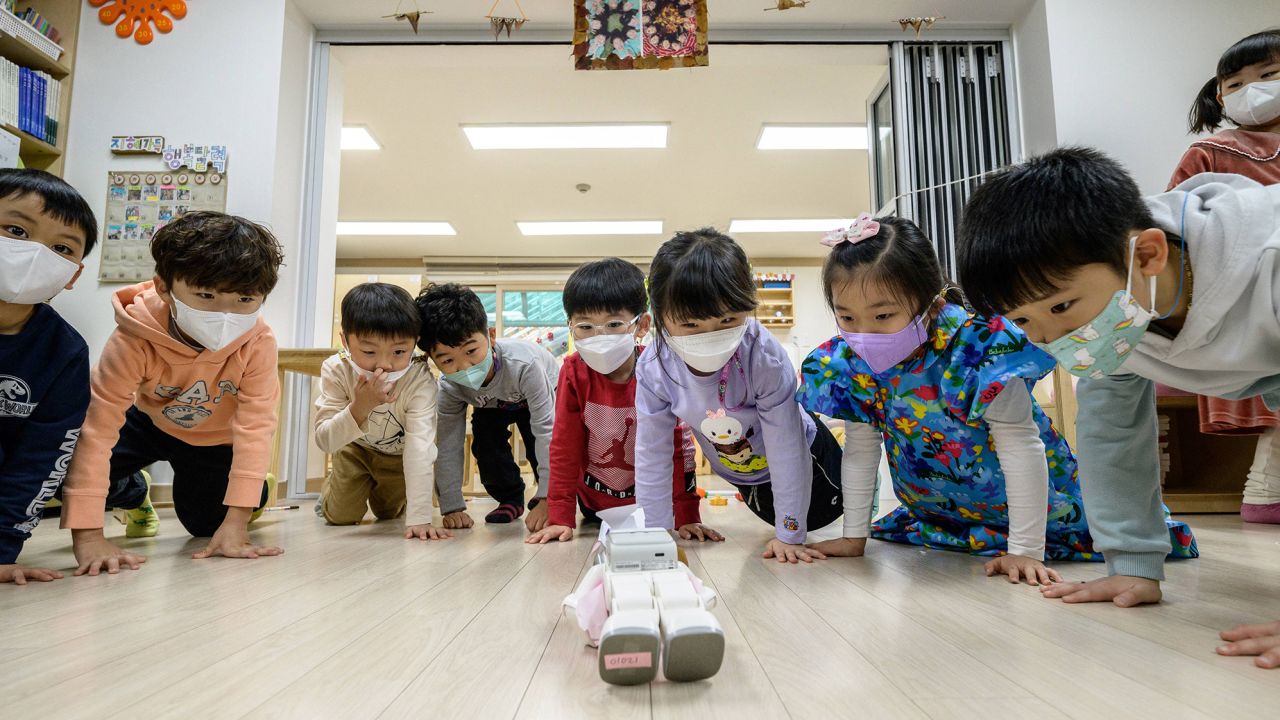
[[861, 229]]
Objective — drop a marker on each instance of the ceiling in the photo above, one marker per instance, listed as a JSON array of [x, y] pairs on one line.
[[413, 98], [545, 14]]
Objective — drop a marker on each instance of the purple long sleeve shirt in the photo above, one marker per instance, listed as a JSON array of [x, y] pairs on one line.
[[755, 433]]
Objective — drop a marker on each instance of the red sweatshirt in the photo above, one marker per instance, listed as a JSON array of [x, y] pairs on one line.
[[593, 448]]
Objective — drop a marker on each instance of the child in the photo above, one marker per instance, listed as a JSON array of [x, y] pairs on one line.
[[376, 415], [593, 443], [1055, 243], [974, 460], [507, 382], [46, 230], [725, 375], [188, 376], [1246, 91]]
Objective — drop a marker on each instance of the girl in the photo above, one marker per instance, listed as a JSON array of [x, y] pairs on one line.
[[725, 376], [974, 460], [1245, 91]]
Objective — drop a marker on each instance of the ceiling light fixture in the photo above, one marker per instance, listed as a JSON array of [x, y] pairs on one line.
[[812, 137], [591, 227], [566, 137], [357, 137], [816, 225]]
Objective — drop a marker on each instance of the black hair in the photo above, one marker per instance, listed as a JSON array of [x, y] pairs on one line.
[[1206, 113], [217, 251], [700, 274], [611, 285], [450, 314], [61, 201], [899, 258], [1032, 225], [380, 310]]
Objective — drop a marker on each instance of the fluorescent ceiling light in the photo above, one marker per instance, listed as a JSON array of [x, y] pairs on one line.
[[395, 228], [592, 227], [358, 138], [797, 225], [813, 137], [561, 137]]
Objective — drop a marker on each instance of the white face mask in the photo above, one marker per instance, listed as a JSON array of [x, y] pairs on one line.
[[213, 330], [31, 273], [389, 377], [707, 352], [606, 353], [1254, 104]]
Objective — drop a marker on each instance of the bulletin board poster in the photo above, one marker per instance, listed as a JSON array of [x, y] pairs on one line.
[[139, 204]]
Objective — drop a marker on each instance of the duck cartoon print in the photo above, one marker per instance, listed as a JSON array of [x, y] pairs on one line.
[[725, 434]]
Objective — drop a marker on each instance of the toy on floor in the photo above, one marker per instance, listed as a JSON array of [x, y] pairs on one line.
[[719, 497], [639, 603]]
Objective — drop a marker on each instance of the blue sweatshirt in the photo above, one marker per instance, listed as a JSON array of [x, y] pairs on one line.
[[44, 392]]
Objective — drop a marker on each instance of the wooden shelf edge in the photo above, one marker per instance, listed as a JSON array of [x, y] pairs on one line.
[[24, 53], [1194, 502], [1171, 402], [32, 145]]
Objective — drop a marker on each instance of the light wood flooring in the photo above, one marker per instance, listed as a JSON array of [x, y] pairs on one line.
[[355, 622]]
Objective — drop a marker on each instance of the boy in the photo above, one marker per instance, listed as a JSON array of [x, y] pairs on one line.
[[188, 376], [46, 230], [507, 382], [1180, 289], [376, 415]]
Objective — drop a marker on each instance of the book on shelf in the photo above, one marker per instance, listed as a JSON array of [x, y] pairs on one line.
[[30, 101], [37, 21]]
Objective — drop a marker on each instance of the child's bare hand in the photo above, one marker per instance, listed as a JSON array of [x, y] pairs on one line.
[[369, 393], [840, 547], [699, 531], [563, 533], [457, 520], [1123, 590], [94, 553], [537, 517], [1261, 640], [787, 553], [1017, 567], [232, 540], [426, 532], [20, 574]]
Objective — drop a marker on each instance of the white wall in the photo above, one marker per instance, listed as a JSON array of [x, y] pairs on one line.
[[1125, 72], [215, 79], [290, 140], [1035, 80]]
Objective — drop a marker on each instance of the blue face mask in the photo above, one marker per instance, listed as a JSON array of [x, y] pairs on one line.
[[1099, 347], [473, 377]]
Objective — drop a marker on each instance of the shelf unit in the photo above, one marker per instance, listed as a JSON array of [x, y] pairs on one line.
[[64, 15], [777, 306], [1206, 472]]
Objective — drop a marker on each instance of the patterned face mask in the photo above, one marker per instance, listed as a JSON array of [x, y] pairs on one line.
[[1099, 347]]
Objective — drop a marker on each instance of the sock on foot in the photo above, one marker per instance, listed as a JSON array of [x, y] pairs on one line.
[[1268, 514]]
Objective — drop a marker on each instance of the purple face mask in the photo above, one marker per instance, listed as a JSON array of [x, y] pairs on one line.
[[883, 351]]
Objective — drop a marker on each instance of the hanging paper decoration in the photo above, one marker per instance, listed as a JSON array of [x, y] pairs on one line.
[[639, 34], [412, 17], [503, 22], [920, 23], [141, 14], [788, 4]]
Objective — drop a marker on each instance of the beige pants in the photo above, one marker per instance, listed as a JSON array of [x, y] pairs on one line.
[[362, 480]]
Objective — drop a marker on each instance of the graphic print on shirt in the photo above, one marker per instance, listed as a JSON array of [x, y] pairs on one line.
[[15, 397], [385, 432], [611, 446], [189, 409], [725, 433]]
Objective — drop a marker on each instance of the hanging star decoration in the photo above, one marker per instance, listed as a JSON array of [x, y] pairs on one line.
[[503, 22], [788, 4], [412, 17], [140, 13], [920, 23]]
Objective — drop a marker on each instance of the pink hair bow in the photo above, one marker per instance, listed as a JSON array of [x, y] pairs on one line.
[[861, 229]]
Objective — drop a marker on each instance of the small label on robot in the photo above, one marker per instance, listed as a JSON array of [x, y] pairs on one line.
[[618, 661], [626, 566]]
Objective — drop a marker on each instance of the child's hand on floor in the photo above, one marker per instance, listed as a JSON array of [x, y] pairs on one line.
[[1019, 566], [19, 574], [1261, 640], [1123, 590], [699, 531], [94, 553], [537, 517], [426, 532], [232, 539], [369, 393], [791, 553], [458, 520], [840, 547], [562, 533]]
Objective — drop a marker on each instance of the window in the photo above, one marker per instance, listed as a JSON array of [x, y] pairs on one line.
[[537, 316]]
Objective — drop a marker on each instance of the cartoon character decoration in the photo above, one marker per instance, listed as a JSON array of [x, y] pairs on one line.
[[726, 435]]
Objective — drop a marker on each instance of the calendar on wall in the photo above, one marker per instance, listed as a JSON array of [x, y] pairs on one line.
[[139, 203]]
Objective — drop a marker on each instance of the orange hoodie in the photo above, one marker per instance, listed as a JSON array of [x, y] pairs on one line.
[[202, 398]]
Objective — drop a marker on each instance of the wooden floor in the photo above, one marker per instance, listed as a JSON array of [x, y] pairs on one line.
[[356, 622]]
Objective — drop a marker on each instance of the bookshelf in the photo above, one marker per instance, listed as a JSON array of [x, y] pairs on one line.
[[777, 306], [1203, 473], [24, 48]]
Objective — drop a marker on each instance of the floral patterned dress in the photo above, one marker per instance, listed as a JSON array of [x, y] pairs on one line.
[[941, 455]]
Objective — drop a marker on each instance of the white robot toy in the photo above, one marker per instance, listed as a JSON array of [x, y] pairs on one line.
[[640, 604]]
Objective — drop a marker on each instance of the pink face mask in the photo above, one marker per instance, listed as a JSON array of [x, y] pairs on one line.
[[883, 351]]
